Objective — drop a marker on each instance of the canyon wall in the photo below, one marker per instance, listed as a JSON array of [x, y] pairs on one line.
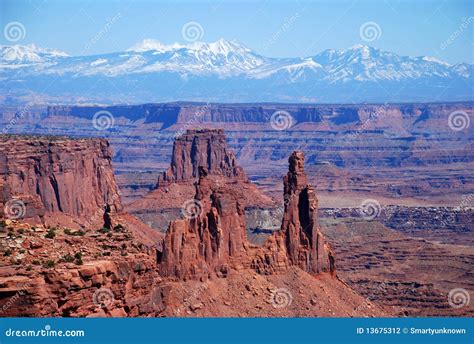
[[43, 175], [416, 149]]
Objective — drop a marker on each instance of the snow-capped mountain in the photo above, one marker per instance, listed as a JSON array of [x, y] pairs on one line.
[[229, 71], [27, 54]]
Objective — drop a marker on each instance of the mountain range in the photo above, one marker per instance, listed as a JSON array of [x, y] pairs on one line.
[[228, 71]]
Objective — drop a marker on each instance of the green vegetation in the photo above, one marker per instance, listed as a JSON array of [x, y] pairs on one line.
[[49, 264], [51, 234], [104, 230], [67, 258]]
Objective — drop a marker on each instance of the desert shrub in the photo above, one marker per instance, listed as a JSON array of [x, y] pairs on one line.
[[49, 264], [8, 252], [104, 230], [67, 231], [51, 234], [68, 258]]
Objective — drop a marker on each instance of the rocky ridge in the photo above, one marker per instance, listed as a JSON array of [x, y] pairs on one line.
[[213, 240], [200, 148], [42, 176]]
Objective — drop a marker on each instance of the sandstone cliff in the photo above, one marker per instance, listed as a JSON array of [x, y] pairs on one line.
[[213, 240], [205, 148], [196, 148], [46, 175]]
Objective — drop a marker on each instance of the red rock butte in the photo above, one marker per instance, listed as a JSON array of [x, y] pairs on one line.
[[214, 241], [201, 148]]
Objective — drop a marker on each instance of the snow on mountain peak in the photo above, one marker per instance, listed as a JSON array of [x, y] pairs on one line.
[[153, 44], [220, 46], [28, 53]]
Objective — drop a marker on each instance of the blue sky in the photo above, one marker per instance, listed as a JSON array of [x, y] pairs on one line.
[[272, 28]]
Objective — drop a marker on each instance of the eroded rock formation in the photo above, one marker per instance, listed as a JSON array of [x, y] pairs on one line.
[[201, 147], [300, 241], [58, 175], [197, 148], [214, 238], [211, 238]]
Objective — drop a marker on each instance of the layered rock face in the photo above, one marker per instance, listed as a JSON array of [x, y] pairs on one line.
[[58, 175], [196, 148], [300, 238], [203, 148], [214, 239]]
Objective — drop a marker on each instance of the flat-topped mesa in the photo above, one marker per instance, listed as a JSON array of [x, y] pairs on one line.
[[211, 239], [201, 147], [300, 241], [45, 177]]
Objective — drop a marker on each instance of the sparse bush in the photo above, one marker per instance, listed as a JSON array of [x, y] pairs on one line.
[[78, 255], [79, 261], [21, 231], [79, 233], [49, 264], [51, 234], [8, 252], [67, 231], [104, 230], [21, 251], [68, 258]]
